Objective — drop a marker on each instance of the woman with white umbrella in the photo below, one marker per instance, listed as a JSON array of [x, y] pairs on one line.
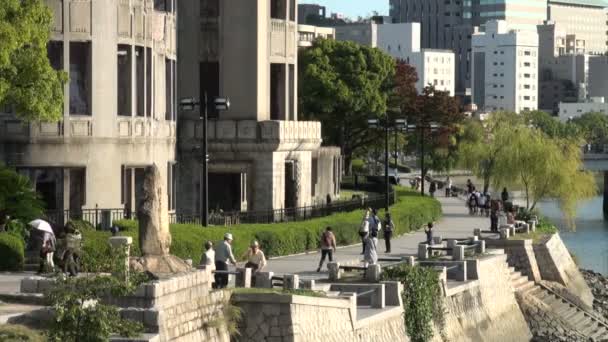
[[48, 244]]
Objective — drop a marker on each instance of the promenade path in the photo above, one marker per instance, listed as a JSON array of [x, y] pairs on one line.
[[455, 223]]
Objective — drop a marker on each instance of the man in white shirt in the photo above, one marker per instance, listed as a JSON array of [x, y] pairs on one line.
[[223, 255]]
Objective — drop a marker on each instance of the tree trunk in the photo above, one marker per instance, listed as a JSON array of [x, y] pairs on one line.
[[348, 163]]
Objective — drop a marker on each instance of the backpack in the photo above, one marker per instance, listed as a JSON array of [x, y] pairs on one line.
[[327, 240]]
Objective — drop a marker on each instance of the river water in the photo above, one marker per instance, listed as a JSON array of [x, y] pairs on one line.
[[589, 242]]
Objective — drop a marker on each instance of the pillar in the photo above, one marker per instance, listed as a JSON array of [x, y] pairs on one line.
[[264, 279], [334, 271], [243, 277], [291, 282]]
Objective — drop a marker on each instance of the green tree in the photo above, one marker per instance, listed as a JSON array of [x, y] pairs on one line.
[[550, 125], [18, 199], [28, 83], [593, 127], [343, 84]]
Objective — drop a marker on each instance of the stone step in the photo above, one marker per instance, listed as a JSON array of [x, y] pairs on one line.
[[511, 269], [564, 309], [600, 334], [534, 291], [515, 275], [590, 328], [579, 320], [573, 314], [525, 286]]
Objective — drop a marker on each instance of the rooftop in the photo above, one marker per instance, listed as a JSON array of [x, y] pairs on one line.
[[593, 3]]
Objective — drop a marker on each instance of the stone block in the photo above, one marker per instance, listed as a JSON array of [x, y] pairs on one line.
[[437, 240], [120, 241], [474, 238], [243, 278], [458, 253], [309, 284], [481, 247], [264, 279], [29, 285], [452, 244], [291, 282], [378, 298], [423, 251], [504, 233], [393, 292], [335, 273], [532, 224], [373, 272], [152, 318]]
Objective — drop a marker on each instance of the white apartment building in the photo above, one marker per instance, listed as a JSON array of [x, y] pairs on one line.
[[573, 110], [402, 41], [505, 68]]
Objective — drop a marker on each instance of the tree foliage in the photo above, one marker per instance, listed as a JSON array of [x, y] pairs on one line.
[[343, 84], [28, 83], [592, 127], [18, 199]]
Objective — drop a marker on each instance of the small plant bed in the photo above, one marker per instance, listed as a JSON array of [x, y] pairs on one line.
[[299, 292], [543, 229]]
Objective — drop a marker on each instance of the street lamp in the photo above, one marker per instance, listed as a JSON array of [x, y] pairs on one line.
[[386, 125], [189, 104], [432, 127]]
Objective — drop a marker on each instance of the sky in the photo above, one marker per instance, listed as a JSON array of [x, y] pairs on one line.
[[352, 8]]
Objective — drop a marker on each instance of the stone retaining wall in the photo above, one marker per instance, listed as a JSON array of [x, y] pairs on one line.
[[520, 254]]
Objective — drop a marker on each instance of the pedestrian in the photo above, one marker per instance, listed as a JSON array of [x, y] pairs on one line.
[[208, 257], [470, 186], [472, 202], [364, 230], [488, 204], [47, 251], [504, 195], [223, 255], [328, 247], [429, 233], [375, 224], [432, 189], [448, 187], [389, 226], [256, 260], [481, 203], [370, 256]]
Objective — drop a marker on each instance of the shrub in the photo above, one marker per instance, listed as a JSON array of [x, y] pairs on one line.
[[409, 213], [358, 166], [11, 252], [18, 333], [18, 199]]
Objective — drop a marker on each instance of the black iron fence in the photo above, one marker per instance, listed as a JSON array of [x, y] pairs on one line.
[[103, 218]]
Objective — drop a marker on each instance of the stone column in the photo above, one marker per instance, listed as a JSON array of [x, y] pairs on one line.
[[335, 273], [264, 279], [423, 251], [291, 282], [243, 277], [372, 274], [121, 243], [452, 244], [481, 247], [458, 253]]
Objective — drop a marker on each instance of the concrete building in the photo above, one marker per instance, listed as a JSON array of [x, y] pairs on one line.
[[402, 41], [308, 33], [505, 68], [562, 79], [119, 111], [261, 156], [306, 11], [573, 110], [598, 77]]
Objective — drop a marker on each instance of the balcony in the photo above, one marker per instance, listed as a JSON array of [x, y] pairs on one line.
[[283, 38]]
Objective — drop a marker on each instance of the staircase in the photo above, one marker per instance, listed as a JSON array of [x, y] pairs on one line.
[[584, 322]]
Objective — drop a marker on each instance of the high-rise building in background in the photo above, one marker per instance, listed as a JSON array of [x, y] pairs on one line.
[[119, 109], [505, 68], [261, 156], [434, 67]]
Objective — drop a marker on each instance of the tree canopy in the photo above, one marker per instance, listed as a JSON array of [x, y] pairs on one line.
[[28, 83], [343, 84]]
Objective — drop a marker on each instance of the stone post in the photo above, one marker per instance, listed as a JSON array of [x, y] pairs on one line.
[[504, 233], [423, 251], [477, 232], [378, 298], [309, 284], [243, 278], [122, 243], [264, 279], [437, 240], [410, 260], [527, 228], [512, 230], [452, 244], [532, 225], [481, 247], [458, 253], [291, 282], [474, 238], [372, 274], [335, 273]]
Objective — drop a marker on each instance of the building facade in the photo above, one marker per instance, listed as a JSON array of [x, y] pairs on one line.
[[308, 33], [261, 156], [562, 79], [119, 109], [311, 11], [505, 68], [402, 41], [568, 111]]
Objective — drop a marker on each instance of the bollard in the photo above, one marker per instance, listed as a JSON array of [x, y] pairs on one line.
[[477, 232], [335, 273], [264, 279], [378, 299], [474, 238], [243, 278], [527, 228], [410, 260], [481, 247], [512, 230], [504, 233], [458, 253], [423, 251], [532, 225], [309, 284], [437, 240], [373, 272], [118, 242], [291, 282], [452, 244], [461, 273]]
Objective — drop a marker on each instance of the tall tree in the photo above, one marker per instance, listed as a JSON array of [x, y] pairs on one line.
[[343, 84], [593, 127], [28, 83]]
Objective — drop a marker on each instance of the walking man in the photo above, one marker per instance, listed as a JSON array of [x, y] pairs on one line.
[[223, 255], [388, 232], [328, 247]]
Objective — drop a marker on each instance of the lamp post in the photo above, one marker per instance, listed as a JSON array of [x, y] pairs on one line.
[[432, 127], [189, 104], [386, 125]]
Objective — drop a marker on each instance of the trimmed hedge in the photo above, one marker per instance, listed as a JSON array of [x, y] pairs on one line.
[[409, 213], [11, 252]]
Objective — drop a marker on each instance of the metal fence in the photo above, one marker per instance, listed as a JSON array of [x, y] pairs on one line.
[[103, 218]]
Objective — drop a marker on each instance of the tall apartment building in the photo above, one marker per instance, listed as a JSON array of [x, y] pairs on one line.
[[261, 156], [119, 109], [505, 68], [449, 24], [434, 67], [583, 20]]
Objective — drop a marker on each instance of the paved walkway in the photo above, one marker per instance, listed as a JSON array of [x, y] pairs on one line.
[[455, 223]]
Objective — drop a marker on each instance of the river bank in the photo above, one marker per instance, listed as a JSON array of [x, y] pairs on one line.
[[598, 284]]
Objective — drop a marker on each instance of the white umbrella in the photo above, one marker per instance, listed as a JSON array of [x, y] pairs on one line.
[[42, 225]]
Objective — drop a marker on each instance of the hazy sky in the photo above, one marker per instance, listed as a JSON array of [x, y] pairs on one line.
[[352, 8]]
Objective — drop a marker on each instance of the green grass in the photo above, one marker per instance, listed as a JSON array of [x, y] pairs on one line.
[[346, 194], [299, 292], [543, 229], [409, 213]]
